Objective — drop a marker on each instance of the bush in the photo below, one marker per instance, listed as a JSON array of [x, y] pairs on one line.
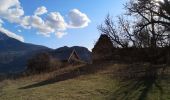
[[55, 64], [42, 62]]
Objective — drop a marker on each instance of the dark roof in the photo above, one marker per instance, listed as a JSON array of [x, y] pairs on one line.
[[63, 54]]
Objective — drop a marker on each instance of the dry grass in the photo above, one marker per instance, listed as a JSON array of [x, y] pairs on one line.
[[100, 85], [97, 87]]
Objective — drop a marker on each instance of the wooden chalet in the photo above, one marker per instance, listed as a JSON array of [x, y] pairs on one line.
[[68, 56]]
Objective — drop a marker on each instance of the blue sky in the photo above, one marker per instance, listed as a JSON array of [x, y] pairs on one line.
[[77, 33]]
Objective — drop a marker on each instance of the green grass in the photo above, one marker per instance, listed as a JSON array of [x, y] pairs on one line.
[[97, 86]]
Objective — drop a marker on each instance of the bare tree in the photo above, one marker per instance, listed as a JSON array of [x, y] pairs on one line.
[[157, 8], [120, 33], [148, 13]]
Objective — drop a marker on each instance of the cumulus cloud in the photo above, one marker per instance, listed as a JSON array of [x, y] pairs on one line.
[[25, 22], [19, 31], [40, 10], [39, 24], [52, 22], [11, 34], [56, 21], [78, 19], [60, 34], [11, 10], [1, 22], [6, 4]]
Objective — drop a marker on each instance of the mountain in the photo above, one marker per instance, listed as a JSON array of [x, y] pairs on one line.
[[14, 53], [82, 52]]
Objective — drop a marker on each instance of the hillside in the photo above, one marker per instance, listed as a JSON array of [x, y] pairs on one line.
[[14, 52], [84, 85]]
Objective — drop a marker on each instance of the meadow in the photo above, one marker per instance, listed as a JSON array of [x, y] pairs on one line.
[[94, 85]]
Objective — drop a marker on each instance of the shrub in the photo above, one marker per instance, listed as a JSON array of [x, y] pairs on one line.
[[42, 62], [55, 64]]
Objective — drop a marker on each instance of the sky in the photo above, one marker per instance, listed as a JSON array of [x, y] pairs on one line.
[[56, 23]]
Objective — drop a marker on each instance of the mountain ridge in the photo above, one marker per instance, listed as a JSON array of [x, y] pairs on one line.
[[14, 54]]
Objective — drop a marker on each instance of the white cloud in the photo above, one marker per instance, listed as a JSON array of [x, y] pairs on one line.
[[39, 24], [60, 34], [1, 22], [6, 4], [56, 21], [36, 21], [11, 10], [53, 22], [78, 19], [25, 22], [19, 31], [40, 10], [11, 34]]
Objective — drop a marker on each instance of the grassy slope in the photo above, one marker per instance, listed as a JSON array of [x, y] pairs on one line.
[[96, 86]]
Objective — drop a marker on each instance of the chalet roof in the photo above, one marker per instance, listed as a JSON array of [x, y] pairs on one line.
[[64, 54]]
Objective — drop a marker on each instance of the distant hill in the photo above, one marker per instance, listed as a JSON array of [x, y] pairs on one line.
[[14, 54]]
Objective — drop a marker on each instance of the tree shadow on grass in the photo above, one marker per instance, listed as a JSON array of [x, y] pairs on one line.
[[137, 89], [84, 70]]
